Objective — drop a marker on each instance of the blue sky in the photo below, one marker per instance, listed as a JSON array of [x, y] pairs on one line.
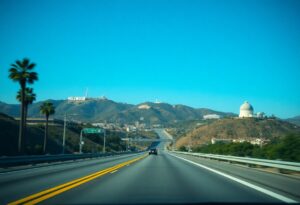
[[213, 54]]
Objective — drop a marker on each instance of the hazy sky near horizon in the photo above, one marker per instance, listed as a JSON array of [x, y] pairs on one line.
[[202, 53]]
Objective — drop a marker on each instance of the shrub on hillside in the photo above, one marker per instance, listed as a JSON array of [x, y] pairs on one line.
[[286, 148]]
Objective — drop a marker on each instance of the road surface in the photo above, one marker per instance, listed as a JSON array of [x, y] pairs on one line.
[[140, 178]]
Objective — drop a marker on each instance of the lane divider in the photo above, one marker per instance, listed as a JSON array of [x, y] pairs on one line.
[[46, 194], [245, 183]]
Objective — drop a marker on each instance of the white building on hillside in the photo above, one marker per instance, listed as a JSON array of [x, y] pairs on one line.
[[144, 107], [246, 110], [211, 116]]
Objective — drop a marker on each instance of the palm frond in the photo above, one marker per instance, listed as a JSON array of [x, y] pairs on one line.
[[19, 63], [32, 76], [14, 65], [14, 74], [31, 66], [47, 108], [25, 63], [30, 96]]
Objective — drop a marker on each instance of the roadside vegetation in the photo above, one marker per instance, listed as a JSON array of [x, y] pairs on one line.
[[22, 72], [286, 148], [92, 142]]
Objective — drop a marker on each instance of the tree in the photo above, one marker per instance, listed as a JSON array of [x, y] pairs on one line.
[[47, 109], [30, 96], [21, 72], [182, 148]]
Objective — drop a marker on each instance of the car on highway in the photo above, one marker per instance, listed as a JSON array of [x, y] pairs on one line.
[[153, 151]]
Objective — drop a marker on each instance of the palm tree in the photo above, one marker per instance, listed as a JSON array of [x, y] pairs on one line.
[[47, 109], [21, 72], [30, 96]]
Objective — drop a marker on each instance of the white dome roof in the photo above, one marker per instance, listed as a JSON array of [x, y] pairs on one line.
[[246, 106]]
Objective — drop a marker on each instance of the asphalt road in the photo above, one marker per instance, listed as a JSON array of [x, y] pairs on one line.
[[164, 178]]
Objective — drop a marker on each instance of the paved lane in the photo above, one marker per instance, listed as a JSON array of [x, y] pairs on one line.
[[160, 179], [18, 184], [153, 179]]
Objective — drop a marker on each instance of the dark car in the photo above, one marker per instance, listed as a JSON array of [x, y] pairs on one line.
[[153, 151]]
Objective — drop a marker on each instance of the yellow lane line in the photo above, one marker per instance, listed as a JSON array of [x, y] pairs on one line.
[[51, 189], [43, 195]]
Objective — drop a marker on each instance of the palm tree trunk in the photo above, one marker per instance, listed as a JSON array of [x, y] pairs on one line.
[[25, 125], [26, 110], [21, 131], [46, 134]]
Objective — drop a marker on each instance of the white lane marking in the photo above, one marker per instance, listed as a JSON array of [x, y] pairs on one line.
[[260, 189], [113, 171]]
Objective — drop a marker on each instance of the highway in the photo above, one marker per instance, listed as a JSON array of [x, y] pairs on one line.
[[139, 178]]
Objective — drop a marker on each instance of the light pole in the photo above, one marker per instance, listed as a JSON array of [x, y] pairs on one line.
[[104, 140], [64, 133], [80, 142]]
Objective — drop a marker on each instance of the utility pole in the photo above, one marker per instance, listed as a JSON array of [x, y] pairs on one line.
[[80, 142], [104, 141], [64, 135]]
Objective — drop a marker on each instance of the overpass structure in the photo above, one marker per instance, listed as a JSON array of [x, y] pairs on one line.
[[146, 140]]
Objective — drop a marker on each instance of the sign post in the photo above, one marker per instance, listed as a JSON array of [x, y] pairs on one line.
[[90, 131]]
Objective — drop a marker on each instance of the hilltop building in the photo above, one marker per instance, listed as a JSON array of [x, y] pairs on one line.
[[77, 99], [216, 140], [246, 110], [211, 116], [85, 99], [157, 102], [144, 107]]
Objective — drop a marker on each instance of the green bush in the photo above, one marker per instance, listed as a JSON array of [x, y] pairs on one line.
[[286, 148], [183, 149]]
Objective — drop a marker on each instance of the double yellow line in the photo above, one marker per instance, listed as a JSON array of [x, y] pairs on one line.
[[46, 194]]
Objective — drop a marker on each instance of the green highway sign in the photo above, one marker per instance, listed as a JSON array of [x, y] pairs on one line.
[[93, 130]]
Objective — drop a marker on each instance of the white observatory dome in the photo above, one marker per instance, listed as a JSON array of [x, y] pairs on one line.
[[246, 110]]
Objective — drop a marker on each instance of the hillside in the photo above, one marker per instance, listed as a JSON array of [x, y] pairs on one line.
[[237, 128], [294, 120], [101, 110], [9, 138]]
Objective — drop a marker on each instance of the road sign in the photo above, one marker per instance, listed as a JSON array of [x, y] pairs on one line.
[[93, 130]]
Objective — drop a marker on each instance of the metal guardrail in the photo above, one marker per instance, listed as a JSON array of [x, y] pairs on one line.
[[36, 159], [292, 166]]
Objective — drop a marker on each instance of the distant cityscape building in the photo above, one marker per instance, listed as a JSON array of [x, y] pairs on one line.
[[211, 116], [77, 98], [260, 115], [144, 107], [157, 102], [83, 99], [246, 110], [254, 141], [215, 140], [103, 98]]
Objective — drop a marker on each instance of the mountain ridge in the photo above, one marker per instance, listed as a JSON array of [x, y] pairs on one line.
[[111, 111], [237, 128]]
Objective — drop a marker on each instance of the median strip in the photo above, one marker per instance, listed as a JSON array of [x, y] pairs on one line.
[[46, 194]]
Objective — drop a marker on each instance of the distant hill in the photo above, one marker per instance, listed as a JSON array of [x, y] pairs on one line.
[[246, 128], [294, 120], [110, 111]]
